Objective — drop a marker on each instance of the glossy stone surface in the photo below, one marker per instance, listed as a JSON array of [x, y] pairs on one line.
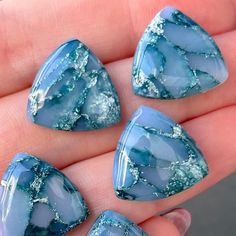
[[176, 58], [37, 199], [111, 223], [73, 91], [155, 158]]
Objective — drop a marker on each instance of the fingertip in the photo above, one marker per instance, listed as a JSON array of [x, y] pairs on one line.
[[181, 218], [173, 223]]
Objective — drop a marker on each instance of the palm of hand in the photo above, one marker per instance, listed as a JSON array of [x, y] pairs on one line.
[[30, 31]]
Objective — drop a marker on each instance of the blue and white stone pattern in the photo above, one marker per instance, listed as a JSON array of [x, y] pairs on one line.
[[111, 223], [155, 158], [36, 199], [176, 58], [73, 91]]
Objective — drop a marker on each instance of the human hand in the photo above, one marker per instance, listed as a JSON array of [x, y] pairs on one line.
[[31, 30]]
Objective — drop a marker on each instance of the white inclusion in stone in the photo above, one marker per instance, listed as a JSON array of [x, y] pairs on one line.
[[92, 82], [103, 103], [36, 184], [37, 100], [15, 216], [82, 56], [67, 204], [98, 106], [42, 215], [151, 88], [195, 168], [156, 25], [177, 131]]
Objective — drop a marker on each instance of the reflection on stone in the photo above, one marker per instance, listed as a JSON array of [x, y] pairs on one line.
[[155, 158], [38, 199], [73, 91], [176, 58]]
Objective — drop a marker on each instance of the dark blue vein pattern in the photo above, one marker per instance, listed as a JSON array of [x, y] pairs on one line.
[[155, 158], [176, 58], [73, 91], [37, 199], [111, 223]]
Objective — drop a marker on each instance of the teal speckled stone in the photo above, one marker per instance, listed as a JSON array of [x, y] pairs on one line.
[[73, 91], [111, 223], [38, 200], [176, 58], [155, 158]]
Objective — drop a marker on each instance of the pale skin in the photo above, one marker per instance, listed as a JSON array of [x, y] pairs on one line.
[[30, 30]]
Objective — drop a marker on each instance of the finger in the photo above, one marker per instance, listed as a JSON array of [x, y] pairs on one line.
[[159, 226], [29, 31], [82, 145], [94, 176], [173, 223]]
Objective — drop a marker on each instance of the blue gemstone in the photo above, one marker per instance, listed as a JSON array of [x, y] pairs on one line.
[[176, 58], [112, 223], [155, 158], [37, 199], [73, 91]]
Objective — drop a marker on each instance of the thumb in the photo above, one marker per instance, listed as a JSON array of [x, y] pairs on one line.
[[173, 223]]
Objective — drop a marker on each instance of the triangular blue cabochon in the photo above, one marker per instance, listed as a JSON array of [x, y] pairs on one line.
[[155, 158], [73, 91], [176, 58], [37, 199]]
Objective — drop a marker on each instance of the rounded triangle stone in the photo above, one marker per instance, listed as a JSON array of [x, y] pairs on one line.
[[176, 58], [155, 158], [37, 199], [73, 91], [112, 223]]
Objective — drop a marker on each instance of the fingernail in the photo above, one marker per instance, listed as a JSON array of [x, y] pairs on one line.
[[181, 218]]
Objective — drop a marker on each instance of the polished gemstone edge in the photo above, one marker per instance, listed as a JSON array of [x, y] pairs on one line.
[[112, 219], [184, 174], [75, 86], [42, 171], [199, 78]]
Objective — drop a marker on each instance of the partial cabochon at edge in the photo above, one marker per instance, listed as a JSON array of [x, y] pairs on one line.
[[112, 223], [38, 199]]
